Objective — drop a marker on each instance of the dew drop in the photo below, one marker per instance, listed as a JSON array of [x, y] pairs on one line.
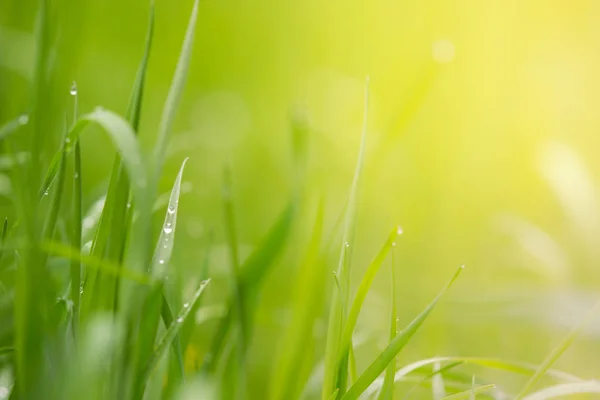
[[73, 90], [399, 231], [161, 261], [168, 230], [462, 266], [347, 244], [23, 119], [204, 282], [180, 319], [171, 210], [393, 244], [76, 175], [128, 205], [46, 193], [186, 305]]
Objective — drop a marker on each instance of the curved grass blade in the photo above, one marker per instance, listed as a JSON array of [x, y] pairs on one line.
[[336, 317], [167, 338], [492, 363], [565, 389], [431, 375], [76, 238], [396, 345], [557, 352], [361, 294], [468, 393], [175, 92]]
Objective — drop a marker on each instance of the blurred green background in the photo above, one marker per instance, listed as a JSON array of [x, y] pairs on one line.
[[483, 138]]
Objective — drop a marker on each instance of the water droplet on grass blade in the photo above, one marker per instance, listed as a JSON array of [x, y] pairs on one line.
[[161, 261], [168, 229], [73, 90], [180, 319], [399, 231], [186, 305], [23, 119]]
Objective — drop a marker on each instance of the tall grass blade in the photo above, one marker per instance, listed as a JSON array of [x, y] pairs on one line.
[[557, 352], [175, 92], [387, 391], [361, 294], [165, 341], [381, 362], [336, 319], [76, 238], [437, 383]]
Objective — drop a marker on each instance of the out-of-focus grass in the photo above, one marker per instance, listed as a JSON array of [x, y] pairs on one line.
[[459, 109]]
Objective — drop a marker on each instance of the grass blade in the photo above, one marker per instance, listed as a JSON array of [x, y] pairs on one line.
[[164, 245], [557, 352], [76, 238], [336, 318], [387, 391], [167, 338], [175, 92], [437, 383], [565, 389], [381, 362], [361, 294], [468, 393]]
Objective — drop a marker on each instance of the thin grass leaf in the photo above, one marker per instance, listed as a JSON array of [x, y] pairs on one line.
[[467, 393], [50, 174], [361, 294], [3, 238], [441, 370], [565, 389], [334, 394], [492, 363], [336, 318], [473, 394], [52, 216], [381, 362], [69, 253], [76, 238], [12, 126], [557, 352], [175, 92], [165, 341], [387, 391], [164, 245]]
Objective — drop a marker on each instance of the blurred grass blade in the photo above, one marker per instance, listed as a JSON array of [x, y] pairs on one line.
[[437, 383], [173, 329], [492, 363], [557, 352], [60, 250], [287, 381], [164, 246], [12, 126], [381, 362], [76, 238], [336, 317], [566, 389], [334, 394], [468, 393], [361, 294], [387, 390], [175, 92], [431, 375]]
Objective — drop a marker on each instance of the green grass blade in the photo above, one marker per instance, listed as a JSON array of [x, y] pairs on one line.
[[134, 109], [69, 253], [557, 352], [164, 246], [50, 173], [238, 301], [437, 383], [387, 391], [381, 362], [431, 375], [467, 393], [336, 319], [566, 389], [334, 394], [76, 239], [175, 92], [52, 216], [286, 382], [167, 338], [12, 126], [361, 294]]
